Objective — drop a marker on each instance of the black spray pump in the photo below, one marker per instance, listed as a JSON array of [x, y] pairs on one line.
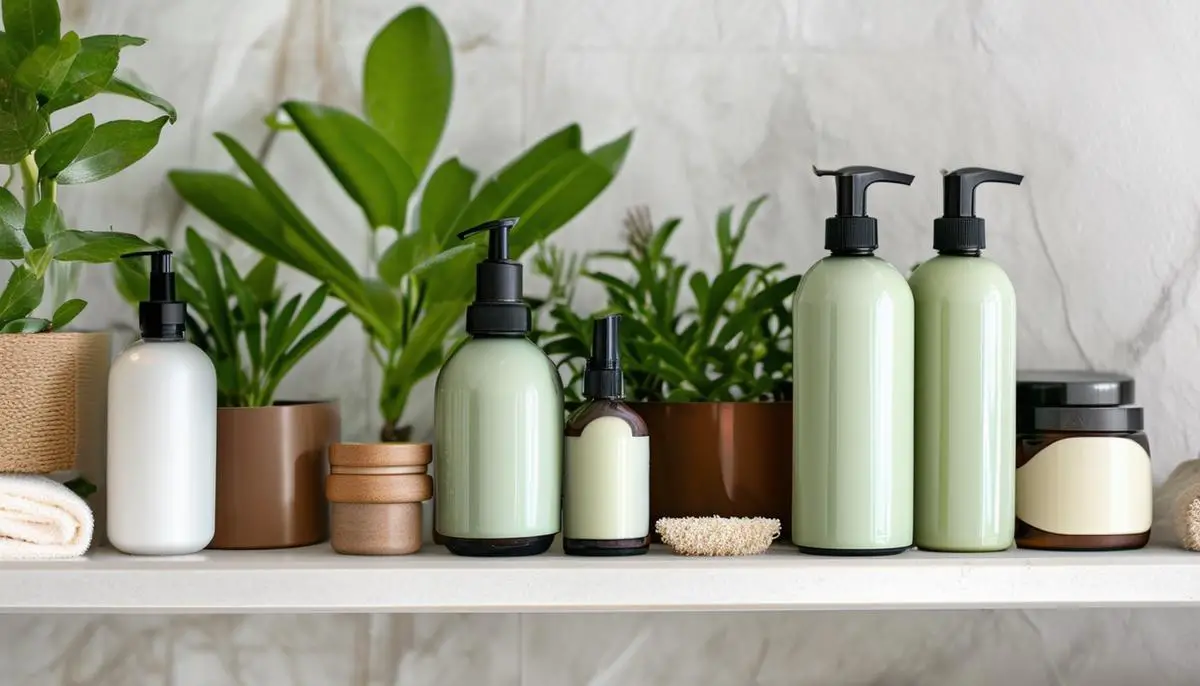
[[499, 309], [161, 317], [852, 232], [603, 378], [959, 231]]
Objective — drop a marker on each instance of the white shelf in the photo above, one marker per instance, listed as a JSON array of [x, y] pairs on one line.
[[317, 580]]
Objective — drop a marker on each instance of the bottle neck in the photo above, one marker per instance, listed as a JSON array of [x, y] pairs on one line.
[[961, 253], [853, 252]]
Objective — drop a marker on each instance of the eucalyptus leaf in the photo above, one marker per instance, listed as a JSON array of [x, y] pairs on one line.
[[21, 294], [66, 313], [112, 147], [97, 247], [129, 87], [30, 23], [43, 71], [26, 325], [408, 82], [61, 148]]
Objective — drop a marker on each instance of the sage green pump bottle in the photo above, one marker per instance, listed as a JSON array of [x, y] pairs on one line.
[[498, 422], [852, 490], [966, 381]]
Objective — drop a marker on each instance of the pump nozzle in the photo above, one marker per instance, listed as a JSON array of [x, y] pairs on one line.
[[959, 231], [161, 317], [499, 309], [602, 378], [851, 231]]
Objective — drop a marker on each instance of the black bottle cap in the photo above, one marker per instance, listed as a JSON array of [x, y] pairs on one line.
[[499, 309], [603, 378], [851, 231], [161, 317], [1073, 389], [959, 231]]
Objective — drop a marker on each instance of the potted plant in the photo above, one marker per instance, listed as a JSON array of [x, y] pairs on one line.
[[423, 281], [54, 384], [712, 378], [271, 454]]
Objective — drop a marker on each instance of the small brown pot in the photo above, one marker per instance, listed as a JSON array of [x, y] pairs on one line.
[[728, 459], [53, 398], [271, 466]]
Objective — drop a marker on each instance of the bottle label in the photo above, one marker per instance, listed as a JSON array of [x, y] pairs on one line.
[[607, 482], [1087, 486]]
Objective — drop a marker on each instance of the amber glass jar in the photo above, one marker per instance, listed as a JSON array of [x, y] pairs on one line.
[[1084, 480]]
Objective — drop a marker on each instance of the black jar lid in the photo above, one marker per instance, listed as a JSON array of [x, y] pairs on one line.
[[1121, 419], [1045, 389]]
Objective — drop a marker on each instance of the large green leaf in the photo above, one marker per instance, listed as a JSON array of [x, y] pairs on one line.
[[63, 146], [129, 87], [97, 247], [401, 256], [92, 69], [22, 126], [12, 242], [43, 71], [408, 82], [66, 313], [45, 221], [362, 161], [261, 280], [428, 335], [31, 23], [113, 146], [21, 295], [11, 211], [27, 325], [445, 196]]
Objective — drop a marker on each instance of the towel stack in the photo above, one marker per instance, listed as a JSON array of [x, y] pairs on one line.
[[41, 519]]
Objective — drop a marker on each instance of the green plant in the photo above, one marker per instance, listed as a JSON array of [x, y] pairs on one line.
[[411, 307], [253, 338], [43, 71], [733, 343]]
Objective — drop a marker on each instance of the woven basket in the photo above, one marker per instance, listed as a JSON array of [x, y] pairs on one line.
[[53, 395]]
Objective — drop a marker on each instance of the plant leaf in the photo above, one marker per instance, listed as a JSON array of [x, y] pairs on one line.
[[401, 256], [21, 295], [446, 194], [97, 247], [31, 23], [297, 352], [383, 300], [408, 82], [722, 287], [744, 223], [12, 242], [61, 148], [129, 87], [113, 146], [429, 334], [66, 312], [250, 309], [22, 126], [44, 223], [297, 325], [26, 325], [278, 325], [92, 69], [261, 280], [11, 211], [362, 161], [208, 280], [43, 71]]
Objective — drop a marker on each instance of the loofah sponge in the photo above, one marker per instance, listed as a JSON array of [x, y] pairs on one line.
[[718, 536]]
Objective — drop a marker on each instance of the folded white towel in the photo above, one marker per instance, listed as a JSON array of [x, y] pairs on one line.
[[41, 519]]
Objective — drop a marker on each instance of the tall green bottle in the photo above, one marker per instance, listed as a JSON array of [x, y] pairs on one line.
[[852, 491], [498, 422], [966, 381]]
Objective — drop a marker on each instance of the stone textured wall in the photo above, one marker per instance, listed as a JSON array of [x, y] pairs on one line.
[[1096, 101]]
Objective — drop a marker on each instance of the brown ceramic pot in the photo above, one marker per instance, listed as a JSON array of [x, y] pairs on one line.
[[271, 466], [728, 459]]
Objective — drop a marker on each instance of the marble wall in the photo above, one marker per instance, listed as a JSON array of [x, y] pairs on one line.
[[1094, 100]]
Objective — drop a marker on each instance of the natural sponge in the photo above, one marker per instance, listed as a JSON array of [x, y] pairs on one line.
[[718, 536]]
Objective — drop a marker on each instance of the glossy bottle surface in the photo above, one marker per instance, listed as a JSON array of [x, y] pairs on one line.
[[498, 448], [965, 404], [162, 449], [853, 389]]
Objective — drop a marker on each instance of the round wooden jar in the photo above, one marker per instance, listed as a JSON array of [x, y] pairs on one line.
[[375, 492]]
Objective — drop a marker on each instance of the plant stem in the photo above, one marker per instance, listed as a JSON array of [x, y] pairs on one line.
[[29, 181], [49, 189]]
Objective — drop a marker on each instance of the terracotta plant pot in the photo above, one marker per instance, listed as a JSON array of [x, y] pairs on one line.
[[271, 466], [53, 396], [728, 459]]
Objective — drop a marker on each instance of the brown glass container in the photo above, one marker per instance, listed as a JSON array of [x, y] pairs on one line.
[[728, 459], [1054, 407], [376, 491], [271, 474], [576, 423]]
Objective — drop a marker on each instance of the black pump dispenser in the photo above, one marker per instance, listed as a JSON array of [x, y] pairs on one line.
[[161, 317], [499, 309], [852, 232], [959, 231], [603, 377]]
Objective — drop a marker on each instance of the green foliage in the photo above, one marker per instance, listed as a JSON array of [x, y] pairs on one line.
[[41, 71], [252, 335], [423, 282], [732, 343]]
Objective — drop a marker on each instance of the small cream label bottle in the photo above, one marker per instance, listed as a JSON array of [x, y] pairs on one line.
[[606, 509]]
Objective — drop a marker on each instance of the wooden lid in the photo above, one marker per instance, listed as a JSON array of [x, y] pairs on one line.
[[380, 454]]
